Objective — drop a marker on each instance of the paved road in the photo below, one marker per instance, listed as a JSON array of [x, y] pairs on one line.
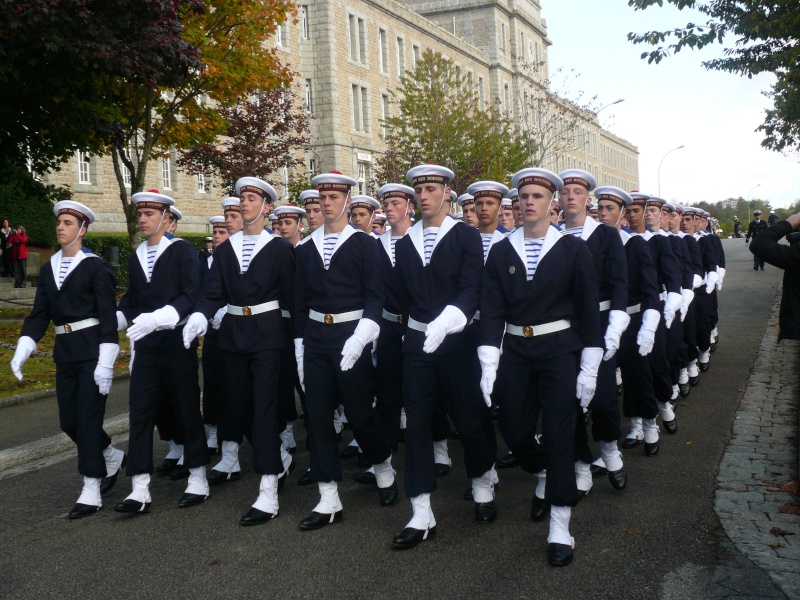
[[658, 538]]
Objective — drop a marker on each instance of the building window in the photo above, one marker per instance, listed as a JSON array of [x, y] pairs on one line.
[[506, 100], [383, 51], [530, 51], [384, 113], [281, 35], [358, 41], [126, 172], [309, 97], [521, 45], [481, 96], [415, 56], [202, 183], [364, 109], [401, 57], [304, 21], [285, 173], [312, 166], [166, 173], [503, 37], [363, 172], [359, 100], [84, 168]]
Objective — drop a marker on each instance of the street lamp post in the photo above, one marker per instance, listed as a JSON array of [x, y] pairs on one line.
[[659, 166], [586, 136], [750, 195]]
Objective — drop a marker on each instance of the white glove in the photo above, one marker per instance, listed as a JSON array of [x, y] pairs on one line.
[[104, 371], [587, 376], [165, 317], [671, 306], [721, 275], [366, 332], [25, 347], [196, 326], [688, 296], [216, 321], [452, 320], [711, 281], [617, 324], [298, 355], [122, 322], [647, 332], [489, 357], [697, 281]]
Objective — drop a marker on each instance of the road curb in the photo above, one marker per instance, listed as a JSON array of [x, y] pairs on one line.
[[18, 399], [51, 446]]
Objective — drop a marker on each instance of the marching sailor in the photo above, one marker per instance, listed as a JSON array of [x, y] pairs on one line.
[[467, 204]]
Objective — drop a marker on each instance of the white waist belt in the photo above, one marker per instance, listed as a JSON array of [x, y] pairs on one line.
[[605, 305], [249, 311], [392, 317], [330, 319], [416, 325], [76, 326], [534, 330], [632, 310]]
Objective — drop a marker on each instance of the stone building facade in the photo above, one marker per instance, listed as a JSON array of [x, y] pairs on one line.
[[350, 55]]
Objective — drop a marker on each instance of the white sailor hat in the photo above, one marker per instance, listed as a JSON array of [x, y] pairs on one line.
[[705, 214], [396, 190], [309, 197], [334, 181], [429, 173], [615, 194], [289, 210], [174, 213], [209, 238], [656, 200], [593, 207], [365, 202], [639, 198], [453, 196], [691, 211], [513, 194], [217, 221], [678, 207], [272, 217], [756, 212], [492, 189], [380, 217], [152, 199], [579, 177], [466, 199], [536, 176], [76, 209], [257, 186], [669, 206], [231, 203]]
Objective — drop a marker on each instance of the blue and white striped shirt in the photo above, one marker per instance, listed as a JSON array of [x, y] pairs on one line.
[[576, 231], [328, 244], [248, 243], [429, 238], [151, 259], [66, 261], [486, 238], [394, 243], [533, 248]]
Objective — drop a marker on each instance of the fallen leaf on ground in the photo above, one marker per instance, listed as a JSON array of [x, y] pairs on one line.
[[627, 530], [792, 487], [778, 545], [779, 531], [790, 509]]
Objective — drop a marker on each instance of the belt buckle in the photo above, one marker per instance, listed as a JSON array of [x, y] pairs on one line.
[[328, 319], [67, 328], [247, 311], [400, 319], [527, 331]]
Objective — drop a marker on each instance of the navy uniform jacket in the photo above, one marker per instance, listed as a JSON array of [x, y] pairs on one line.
[[667, 267], [270, 276], [389, 274], [564, 286], [609, 260], [717, 243], [708, 252], [87, 292], [684, 260], [694, 254], [352, 282], [175, 281], [642, 276], [452, 277]]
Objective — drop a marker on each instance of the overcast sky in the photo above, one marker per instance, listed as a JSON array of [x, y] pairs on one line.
[[677, 102]]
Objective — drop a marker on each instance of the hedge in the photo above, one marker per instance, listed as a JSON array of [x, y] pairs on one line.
[[27, 202]]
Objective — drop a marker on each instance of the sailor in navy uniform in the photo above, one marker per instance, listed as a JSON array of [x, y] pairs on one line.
[[310, 201], [440, 262], [76, 293], [206, 252], [507, 215], [705, 301], [691, 377], [339, 301], [379, 224], [717, 243], [253, 274], [644, 308], [540, 292], [644, 216], [611, 271], [513, 195], [362, 213], [467, 204], [757, 226], [233, 214], [164, 281]]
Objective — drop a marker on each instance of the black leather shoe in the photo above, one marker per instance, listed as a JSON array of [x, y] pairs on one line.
[[305, 479], [507, 462], [133, 506], [363, 461], [442, 469], [702, 366], [217, 477], [285, 475], [388, 496], [319, 520], [694, 381], [583, 493], [348, 452], [365, 478], [671, 427], [179, 472], [713, 347], [539, 508], [559, 555], [82, 510], [256, 517], [468, 493], [684, 389], [485, 512], [618, 479], [630, 443], [188, 500], [651, 449], [410, 537], [597, 471], [495, 412], [166, 467], [109, 482]]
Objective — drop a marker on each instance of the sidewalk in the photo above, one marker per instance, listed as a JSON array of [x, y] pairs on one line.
[[759, 469]]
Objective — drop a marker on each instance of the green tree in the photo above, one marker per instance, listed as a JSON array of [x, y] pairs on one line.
[[765, 40], [437, 118]]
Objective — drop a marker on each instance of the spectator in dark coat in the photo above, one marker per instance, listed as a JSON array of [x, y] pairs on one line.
[[5, 247], [19, 253]]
